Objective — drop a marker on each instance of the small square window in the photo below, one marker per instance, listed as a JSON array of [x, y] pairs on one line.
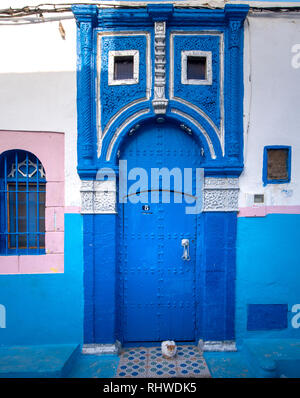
[[277, 165], [259, 198], [196, 68], [123, 68]]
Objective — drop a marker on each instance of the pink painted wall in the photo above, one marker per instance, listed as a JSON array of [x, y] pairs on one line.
[[50, 149], [262, 211]]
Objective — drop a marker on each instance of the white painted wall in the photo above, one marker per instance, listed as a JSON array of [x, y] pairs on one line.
[[38, 86], [272, 104]]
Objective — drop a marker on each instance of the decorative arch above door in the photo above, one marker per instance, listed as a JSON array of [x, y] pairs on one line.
[[161, 40]]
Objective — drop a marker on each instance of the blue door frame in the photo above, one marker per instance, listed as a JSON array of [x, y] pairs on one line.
[[158, 288], [217, 229], [214, 263]]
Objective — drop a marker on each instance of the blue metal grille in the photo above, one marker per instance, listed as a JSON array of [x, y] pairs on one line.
[[22, 199]]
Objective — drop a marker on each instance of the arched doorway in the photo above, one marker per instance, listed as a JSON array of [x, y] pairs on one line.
[[159, 245]]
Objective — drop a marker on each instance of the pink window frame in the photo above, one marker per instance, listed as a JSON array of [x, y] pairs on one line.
[[49, 147]]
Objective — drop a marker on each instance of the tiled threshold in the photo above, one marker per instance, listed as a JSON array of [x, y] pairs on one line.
[[149, 362]]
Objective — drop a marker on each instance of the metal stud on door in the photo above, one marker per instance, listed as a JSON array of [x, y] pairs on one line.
[[158, 245]]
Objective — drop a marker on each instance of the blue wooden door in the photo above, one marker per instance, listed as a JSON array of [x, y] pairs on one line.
[[157, 287]]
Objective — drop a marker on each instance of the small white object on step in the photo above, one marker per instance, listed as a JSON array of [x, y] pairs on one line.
[[168, 349]]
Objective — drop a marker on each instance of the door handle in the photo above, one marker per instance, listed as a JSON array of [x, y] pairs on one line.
[[186, 249]]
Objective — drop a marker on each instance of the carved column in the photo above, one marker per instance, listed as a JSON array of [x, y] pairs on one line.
[[160, 102], [160, 14], [86, 20], [234, 132]]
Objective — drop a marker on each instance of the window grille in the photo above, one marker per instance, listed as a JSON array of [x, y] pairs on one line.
[[22, 199]]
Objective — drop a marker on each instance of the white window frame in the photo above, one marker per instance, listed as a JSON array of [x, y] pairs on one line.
[[196, 53], [111, 67]]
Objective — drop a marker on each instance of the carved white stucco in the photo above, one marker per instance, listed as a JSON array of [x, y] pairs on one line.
[[160, 102], [100, 197]]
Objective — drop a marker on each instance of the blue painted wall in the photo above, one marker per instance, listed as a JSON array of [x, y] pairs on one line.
[[47, 309], [267, 273]]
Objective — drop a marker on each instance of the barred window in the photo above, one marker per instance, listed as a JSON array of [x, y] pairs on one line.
[[22, 199]]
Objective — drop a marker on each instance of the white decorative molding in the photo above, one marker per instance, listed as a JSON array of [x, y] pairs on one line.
[[196, 123], [98, 197], [22, 167], [208, 74], [99, 349], [160, 102], [121, 128], [226, 345], [111, 67], [220, 194]]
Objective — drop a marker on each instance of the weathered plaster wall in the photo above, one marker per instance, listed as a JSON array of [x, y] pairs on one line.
[[38, 93], [267, 282], [271, 104], [38, 87], [49, 149]]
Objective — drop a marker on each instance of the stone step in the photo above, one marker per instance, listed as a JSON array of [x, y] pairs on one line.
[[41, 361]]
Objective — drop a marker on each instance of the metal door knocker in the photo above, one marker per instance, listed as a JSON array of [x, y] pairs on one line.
[[186, 246]]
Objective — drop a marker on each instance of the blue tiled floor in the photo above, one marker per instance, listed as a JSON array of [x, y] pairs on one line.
[[149, 362], [134, 362], [91, 366]]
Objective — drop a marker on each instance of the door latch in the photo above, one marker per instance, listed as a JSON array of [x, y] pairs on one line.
[[186, 249]]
